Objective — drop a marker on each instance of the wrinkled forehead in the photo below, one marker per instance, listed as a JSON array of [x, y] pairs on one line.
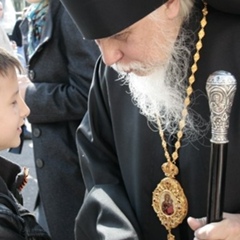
[[103, 18]]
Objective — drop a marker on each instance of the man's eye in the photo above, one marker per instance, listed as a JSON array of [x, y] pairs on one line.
[[121, 36]]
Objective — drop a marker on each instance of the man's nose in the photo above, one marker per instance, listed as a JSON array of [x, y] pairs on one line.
[[111, 53]]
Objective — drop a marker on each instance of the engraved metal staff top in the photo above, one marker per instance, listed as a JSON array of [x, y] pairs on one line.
[[221, 88]]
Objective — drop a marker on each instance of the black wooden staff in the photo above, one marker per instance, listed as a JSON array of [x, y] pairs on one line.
[[221, 88]]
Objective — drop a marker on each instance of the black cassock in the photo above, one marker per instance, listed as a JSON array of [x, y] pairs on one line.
[[121, 156]]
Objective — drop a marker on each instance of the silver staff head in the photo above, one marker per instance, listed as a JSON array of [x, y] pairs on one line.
[[221, 87]]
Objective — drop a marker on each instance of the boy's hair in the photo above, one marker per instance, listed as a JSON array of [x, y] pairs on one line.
[[8, 61]]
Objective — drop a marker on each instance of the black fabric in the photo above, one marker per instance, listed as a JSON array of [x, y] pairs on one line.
[[16, 223], [16, 33], [121, 156], [14, 177], [12, 170], [103, 18], [99, 19], [107, 216], [228, 6]]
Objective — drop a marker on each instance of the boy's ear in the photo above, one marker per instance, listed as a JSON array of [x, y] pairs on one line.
[[172, 8]]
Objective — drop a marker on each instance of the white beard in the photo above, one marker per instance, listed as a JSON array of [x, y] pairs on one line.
[[156, 98], [162, 93]]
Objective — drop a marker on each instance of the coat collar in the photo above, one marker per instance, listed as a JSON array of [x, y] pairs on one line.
[[48, 29]]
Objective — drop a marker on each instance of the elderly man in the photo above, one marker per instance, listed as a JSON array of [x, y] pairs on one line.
[[146, 133]]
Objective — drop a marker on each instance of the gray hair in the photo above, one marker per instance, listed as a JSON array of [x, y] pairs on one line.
[[185, 10], [186, 7]]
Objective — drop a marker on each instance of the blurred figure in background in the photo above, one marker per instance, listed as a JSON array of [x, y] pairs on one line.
[[60, 67], [4, 41], [7, 15], [1, 11], [16, 36]]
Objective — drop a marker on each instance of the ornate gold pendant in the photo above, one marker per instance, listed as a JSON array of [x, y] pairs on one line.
[[170, 204]]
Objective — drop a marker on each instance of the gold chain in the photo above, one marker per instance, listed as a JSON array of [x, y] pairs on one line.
[[171, 212], [189, 91]]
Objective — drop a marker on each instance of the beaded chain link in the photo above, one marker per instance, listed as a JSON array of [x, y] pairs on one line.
[[189, 91]]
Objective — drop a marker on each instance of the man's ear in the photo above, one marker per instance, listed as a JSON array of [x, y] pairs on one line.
[[172, 8]]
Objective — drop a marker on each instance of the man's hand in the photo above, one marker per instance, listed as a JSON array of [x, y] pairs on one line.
[[227, 229]]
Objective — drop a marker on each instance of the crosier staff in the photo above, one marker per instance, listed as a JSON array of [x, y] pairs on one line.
[[221, 88]]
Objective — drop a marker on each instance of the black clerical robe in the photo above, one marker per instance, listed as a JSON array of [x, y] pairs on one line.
[[121, 156]]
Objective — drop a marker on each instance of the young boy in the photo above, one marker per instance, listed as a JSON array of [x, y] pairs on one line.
[[16, 223]]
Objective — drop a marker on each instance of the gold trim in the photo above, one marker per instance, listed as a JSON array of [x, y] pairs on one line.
[[170, 203]]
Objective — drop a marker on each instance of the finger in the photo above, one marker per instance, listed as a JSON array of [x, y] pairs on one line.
[[214, 230], [195, 223]]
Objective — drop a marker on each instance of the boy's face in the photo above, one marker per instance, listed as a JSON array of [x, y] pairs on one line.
[[13, 110]]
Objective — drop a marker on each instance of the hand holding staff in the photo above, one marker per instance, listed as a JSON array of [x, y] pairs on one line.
[[221, 87]]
